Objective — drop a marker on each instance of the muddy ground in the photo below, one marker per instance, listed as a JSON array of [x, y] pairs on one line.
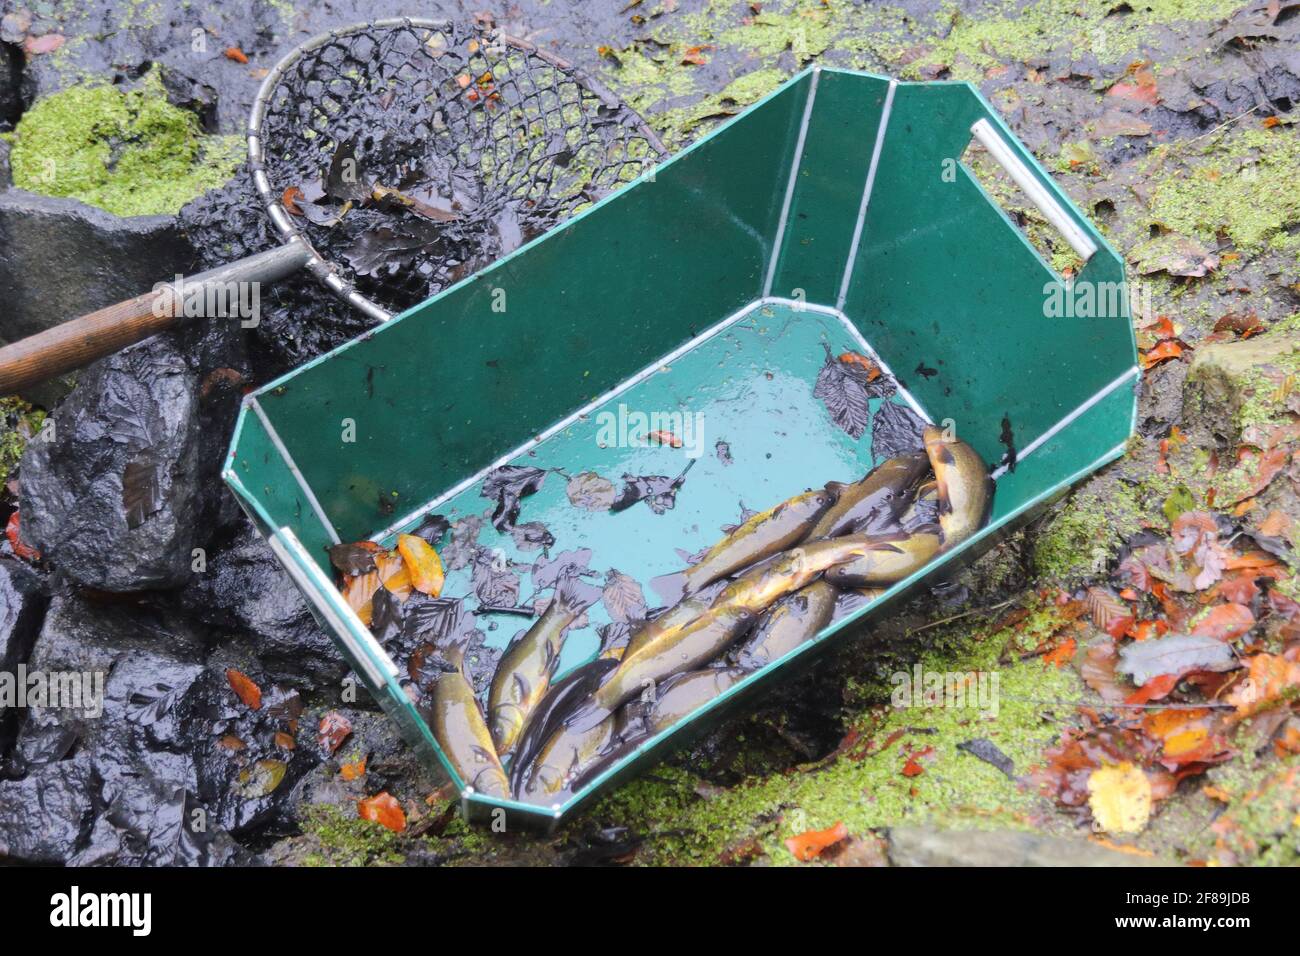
[[1171, 122]]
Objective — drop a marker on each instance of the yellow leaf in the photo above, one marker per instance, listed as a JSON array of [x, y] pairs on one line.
[[1120, 798], [422, 564]]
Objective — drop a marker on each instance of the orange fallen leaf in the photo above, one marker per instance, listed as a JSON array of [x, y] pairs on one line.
[[1156, 688], [1142, 87], [694, 56], [236, 54], [353, 771], [22, 550], [812, 843], [1062, 653], [423, 566], [333, 730], [1225, 622], [913, 767], [34, 46], [359, 591], [245, 689], [1161, 353], [383, 809], [860, 360], [1270, 676], [664, 438]]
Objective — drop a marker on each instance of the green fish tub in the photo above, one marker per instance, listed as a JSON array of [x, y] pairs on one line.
[[781, 305]]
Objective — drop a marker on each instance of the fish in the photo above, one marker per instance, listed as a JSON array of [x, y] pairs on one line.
[[762, 586], [787, 624], [525, 669], [672, 619], [460, 729], [564, 697], [672, 651], [924, 508], [890, 558], [686, 693], [763, 535], [964, 484], [573, 748], [874, 502]]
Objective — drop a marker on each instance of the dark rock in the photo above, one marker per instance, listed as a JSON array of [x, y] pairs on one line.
[[99, 259], [245, 592], [924, 846], [11, 74], [22, 607], [114, 500], [44, 816]]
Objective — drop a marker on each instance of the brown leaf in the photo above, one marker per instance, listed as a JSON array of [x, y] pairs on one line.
[[1225, 622], [245, 689], [383, 809], [812, 843]]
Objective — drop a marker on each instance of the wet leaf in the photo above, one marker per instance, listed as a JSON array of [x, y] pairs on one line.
[[896, 430], [1119, 797], [494, 582], [35, 46], [141, 491], [813, 843], [623, 597], [843, 394], [1225, 622], [659, 492], [383, 809], [359, 592], [22, 550], [590, 492], [422, 564], [245, 689], [333, 730], [989, 752], [507, 485], [1175, 656], [1270, 677], [261, 779], [1108, 612], [353, 771], [1098, 671], [532, 536], [236, 54], [433, 528], [355, 558], [386, 249], [547, 572], [723, 452], [344, 181]]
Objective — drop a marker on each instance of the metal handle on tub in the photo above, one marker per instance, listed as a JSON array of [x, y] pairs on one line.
[[365, 652], [1038, 194]]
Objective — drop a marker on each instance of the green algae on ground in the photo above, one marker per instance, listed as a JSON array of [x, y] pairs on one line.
[[866, 788], [130, 153], [1241, 184], [19, 422], [341, 838], [1078, 541]]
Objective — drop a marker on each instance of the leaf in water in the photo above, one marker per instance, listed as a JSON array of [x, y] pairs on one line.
[[494, 582], [844, 396], [464, 543], [547, 572], [141, 491], [1174, 656], [355, 558], [532, 536], [623, 597], [1120, 798], [507, 485], [989, 752], [385, 250], [723, 451], [896, 430], [590, 492], [659, 492], [433, 528], [422, 564]]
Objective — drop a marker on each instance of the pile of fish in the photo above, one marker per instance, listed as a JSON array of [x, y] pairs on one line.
[[770, 585]]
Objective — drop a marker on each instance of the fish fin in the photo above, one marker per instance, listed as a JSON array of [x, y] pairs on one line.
[[573, 595], [671, 588]]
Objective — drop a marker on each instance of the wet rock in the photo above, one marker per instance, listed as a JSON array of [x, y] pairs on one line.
[[115, 499], [245, 592], [1229, 383], [44, 816], [99, 259], [11, 73], [22, 607], [922, 846]]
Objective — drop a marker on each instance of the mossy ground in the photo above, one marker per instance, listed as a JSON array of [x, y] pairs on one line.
[[129, 152], [19, 423]]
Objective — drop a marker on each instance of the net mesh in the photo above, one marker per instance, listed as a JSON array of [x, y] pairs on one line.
[[412, 155]]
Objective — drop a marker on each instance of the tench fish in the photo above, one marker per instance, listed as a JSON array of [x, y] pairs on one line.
[[524, 672], [871, 504], [672, 651], [794, 619], [762, 535], [686, 693], [572, 749], [965, 487], [760, 587], [889, 559], [460, 729], [673, 619], [563, 698]]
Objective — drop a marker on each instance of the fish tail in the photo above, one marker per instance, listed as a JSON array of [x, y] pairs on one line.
[[573, 595]]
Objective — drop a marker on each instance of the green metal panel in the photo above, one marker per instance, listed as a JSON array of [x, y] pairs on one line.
[[829, 182], [654, 300], [944, 281]]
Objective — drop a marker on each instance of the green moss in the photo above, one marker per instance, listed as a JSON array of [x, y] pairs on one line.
[[128, 152], [1259, 824], [1090, 528], [344, 839], [18, 423], [1241, 184]]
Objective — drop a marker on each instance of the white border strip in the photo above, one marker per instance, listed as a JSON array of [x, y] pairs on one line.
[[1131, 373], [293, 468], [778, 243], [636, 379], [866, 193]]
